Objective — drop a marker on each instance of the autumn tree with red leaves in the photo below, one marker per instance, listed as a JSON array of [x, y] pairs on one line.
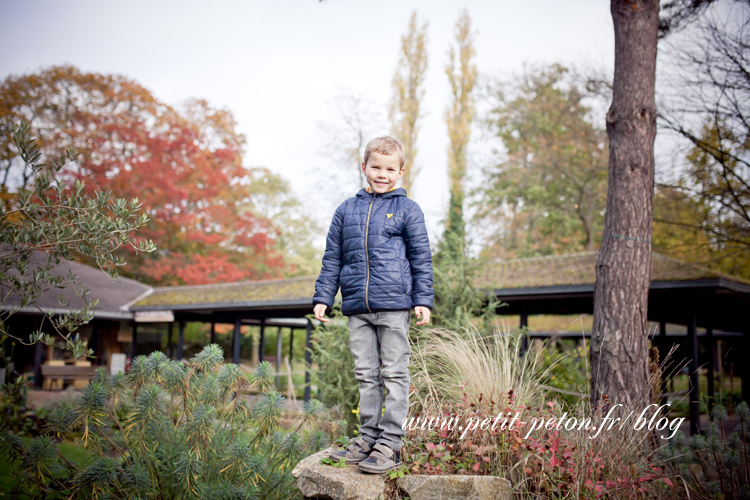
[[184, 164]]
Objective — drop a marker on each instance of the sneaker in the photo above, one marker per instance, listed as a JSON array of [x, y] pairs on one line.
[[382, 459], [355, 453]]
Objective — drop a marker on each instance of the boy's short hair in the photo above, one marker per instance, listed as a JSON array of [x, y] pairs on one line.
[[385, 145]]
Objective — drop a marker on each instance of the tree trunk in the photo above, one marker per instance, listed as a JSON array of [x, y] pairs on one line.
[[619, 345]]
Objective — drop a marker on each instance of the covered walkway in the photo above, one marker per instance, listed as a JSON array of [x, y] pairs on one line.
[[267, 303], [680, 293]]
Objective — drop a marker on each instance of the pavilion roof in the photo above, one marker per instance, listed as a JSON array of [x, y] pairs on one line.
[[580, 269], [243, 292], [556, 270], [114, 295]]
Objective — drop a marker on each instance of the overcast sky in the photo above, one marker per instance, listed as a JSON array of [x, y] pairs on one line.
[[277, 64]]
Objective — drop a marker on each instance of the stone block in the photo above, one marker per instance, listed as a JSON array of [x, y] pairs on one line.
[[317, 480], [452, 487]]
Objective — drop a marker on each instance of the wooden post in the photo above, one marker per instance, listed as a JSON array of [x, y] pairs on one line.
[[525, 338], [94, 340], [695, 427], [38, 360], [236, 341], [180, 339], [213, 332], [170, 334], [711, 344], [278, 356], [134, 340], [291, 344], [262, 347], [308, 360], [745, 370]]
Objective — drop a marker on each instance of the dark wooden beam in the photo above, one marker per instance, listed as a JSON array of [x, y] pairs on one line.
[[94, 341], [236, 341], [291, 345], [695, 427], [745, 369], [180, 338], [38, 360], [663, 350], [134, 340], [711, 348], [262, 346], [278, 356], [170, 335], [525, 337], [308, 360], [213, 332]]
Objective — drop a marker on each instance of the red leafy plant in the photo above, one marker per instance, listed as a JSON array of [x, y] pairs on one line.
[[559, 463]]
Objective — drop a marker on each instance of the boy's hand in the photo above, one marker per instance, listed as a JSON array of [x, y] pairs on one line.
[[320, 313], [424, 313]]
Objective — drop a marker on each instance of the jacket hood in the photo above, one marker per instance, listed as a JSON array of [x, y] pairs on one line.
[[363, 193]]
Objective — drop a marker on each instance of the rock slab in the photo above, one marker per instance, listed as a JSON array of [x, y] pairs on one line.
[[316, 480], [452, 487], [323, 481]]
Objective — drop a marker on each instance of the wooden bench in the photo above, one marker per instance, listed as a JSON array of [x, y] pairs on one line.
[[69, 372]]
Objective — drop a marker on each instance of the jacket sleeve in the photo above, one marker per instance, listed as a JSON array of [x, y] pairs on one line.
[[420, 258], [327, 284]]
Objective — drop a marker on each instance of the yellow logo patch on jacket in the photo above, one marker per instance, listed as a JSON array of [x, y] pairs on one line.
[[389, 215]]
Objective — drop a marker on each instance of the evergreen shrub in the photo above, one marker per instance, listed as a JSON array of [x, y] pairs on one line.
[[170, 430], [334, 375]]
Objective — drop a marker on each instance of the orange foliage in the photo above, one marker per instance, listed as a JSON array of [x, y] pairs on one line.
[[184, 165]]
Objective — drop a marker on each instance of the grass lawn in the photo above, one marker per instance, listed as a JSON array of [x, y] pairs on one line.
[[75, 453], [722, 393]]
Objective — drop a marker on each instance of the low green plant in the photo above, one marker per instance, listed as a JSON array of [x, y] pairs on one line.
[[15, 413], [564, 368], [171, 430], [714, 465], [329, 461], [343, 441], [401, 471]]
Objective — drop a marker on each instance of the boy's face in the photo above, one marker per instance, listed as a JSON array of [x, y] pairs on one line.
[[382, 172]]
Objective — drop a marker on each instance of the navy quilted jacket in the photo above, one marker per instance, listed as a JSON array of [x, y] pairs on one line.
[[378, 251]]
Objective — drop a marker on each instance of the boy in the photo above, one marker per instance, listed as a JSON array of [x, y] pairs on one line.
[[378, 251]]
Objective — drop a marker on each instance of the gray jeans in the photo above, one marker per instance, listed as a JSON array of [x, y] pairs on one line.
[[380, 346]]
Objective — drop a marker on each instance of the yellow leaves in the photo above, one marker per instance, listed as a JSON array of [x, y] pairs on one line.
[[408, 93], [462, 75]]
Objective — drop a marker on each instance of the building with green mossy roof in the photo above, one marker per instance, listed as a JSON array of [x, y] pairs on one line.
[[709, 306]]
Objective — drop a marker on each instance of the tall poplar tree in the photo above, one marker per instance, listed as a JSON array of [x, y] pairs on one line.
[[619, 343], [408, 92], [462, 76], [457, 300]]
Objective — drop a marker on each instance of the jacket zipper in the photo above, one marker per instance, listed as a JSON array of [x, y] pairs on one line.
[[367, 254]]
